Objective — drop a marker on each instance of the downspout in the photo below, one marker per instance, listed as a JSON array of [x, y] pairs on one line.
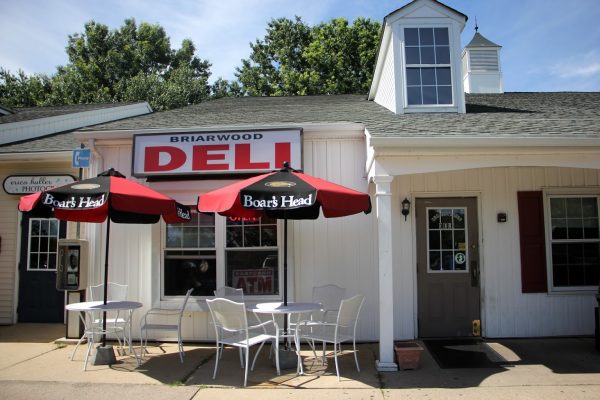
[[92, 145]]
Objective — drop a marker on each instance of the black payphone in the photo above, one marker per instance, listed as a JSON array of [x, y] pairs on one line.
[[72, 264]]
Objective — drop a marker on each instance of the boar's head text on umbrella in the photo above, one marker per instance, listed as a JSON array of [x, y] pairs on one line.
[[108, 197]]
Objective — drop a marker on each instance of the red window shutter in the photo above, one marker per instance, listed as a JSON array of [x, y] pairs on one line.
[[532, 238]]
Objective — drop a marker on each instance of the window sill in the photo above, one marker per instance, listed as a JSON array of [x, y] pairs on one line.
[[591, 291], [430, 109]]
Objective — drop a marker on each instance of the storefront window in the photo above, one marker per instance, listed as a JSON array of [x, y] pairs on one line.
[[575, 241], [251, 260], [249, 254], [190, 257]]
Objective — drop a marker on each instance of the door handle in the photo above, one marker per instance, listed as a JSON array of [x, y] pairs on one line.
[[474, 274]]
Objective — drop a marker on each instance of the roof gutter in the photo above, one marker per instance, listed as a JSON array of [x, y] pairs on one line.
[[37, 156], [481, 142]]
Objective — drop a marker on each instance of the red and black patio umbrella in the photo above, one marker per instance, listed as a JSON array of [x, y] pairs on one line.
[[108, 197], [285, 194]]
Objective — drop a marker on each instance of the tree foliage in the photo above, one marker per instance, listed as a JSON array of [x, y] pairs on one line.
[[295, 59], [131, 63], [137, 63]]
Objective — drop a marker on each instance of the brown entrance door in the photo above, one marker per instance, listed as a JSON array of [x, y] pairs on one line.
[[447, 266]]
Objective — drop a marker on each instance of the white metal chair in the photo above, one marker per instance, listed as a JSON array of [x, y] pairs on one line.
[[329, 296], [154, 320], [232, 329], [115, 323], [344, 329], [231, 293]]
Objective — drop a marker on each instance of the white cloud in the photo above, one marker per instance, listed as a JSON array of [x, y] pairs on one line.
[[580, 66]]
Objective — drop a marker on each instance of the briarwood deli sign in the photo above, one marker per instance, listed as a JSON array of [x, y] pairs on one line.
[[222, 152]]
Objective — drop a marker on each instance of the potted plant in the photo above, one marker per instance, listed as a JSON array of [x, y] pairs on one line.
[[408, 355]]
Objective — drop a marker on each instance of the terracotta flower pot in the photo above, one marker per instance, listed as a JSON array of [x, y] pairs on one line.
[[408, 355]]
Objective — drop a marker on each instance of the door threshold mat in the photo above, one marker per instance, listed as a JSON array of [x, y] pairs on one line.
[[464, 353]]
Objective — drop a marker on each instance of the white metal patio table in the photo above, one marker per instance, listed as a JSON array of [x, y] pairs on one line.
[[87, 311], [278, 308]]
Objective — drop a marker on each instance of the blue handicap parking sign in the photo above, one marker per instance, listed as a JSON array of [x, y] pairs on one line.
[[81, 158]]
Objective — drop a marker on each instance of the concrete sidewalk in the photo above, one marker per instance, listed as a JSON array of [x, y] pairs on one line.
[[33, 366]]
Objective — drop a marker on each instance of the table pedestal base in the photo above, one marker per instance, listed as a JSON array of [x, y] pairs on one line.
[[288, 359], [105, 356]]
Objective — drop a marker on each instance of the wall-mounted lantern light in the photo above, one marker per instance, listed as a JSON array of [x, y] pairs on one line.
[[405, 207]]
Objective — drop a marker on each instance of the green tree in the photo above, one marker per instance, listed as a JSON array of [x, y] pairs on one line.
[[131, 63], [20, 90], [295, 59]]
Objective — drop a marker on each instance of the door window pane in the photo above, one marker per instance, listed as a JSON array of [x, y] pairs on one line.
[[43, 244], [447, 235]]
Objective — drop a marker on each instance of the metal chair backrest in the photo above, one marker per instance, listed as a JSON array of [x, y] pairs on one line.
[[116, 291], [329, 296], [348, 315], [182, 309], [228, 314], [231, 293]]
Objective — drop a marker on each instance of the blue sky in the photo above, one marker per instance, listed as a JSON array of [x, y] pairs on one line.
[[547, 45]]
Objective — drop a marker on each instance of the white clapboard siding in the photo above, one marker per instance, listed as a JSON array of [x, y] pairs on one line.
[[385, 94], [506, 312]]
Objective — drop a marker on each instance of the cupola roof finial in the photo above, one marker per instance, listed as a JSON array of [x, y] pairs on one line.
[[476, 27]]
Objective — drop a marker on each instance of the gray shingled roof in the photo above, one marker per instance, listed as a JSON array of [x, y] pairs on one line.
[[480, 41], [536, 114], [509, 114], [52, 143], [31, 113]]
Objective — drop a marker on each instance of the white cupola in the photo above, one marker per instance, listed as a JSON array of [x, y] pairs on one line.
[[481, 66]]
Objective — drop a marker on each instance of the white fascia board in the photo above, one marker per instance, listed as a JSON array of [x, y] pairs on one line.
[[480, 142], [31, 129], [37, 156], [341, 128]]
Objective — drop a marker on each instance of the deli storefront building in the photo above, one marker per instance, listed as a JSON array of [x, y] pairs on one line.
[[442, 252]]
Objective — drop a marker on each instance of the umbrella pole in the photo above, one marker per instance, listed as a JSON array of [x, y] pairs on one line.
[[105, 281], [285, 280]]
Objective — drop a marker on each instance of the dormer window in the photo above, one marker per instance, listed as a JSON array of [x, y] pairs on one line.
[[428, 70]]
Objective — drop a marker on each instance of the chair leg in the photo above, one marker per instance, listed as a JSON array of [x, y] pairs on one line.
[[143, 333], [335, 351], [179, 346], [277, 357], [90, 344], [355, 356], [77, 345], [246, 370], [255, 355], [219, 353]]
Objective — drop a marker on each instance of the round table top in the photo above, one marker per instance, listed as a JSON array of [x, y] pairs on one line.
[[279, 308], [100, 306]]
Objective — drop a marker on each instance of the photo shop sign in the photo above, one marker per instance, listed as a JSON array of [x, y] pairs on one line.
[[27, 184], [219, 152]]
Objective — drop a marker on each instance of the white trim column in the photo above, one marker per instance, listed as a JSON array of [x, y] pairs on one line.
[[383, 198]]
